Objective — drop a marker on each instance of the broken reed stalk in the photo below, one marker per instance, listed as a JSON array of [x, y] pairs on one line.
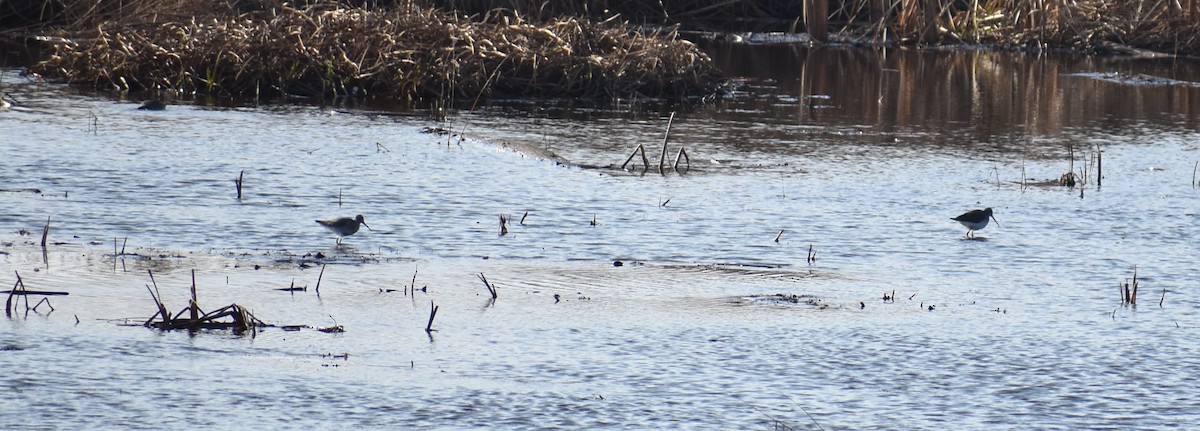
[[503, 225], [194, 304], [1133, 298], [1099, 165], [39, 304], [433, 309], [491, 289], [522, 223], [778, 235], [682, 153], [1129, 290], [1194, 168], [162, 308], [317, 289], [8, 304], [812, 255], [414, 283], [45, 232], [645, 161], [238, 184], [1162, 298], [662, 158]]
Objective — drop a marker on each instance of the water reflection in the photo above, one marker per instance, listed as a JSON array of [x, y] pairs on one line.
[[958, 96]]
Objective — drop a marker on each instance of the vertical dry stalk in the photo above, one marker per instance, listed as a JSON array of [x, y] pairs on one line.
[[816, 19], [433, 309], [1133, 297], [317, 289], [1194, 167], [238, 184], [662, 158], [503, 225], [45, 232], [194, 304]]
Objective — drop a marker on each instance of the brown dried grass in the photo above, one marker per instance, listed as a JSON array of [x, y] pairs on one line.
[[407, 53]]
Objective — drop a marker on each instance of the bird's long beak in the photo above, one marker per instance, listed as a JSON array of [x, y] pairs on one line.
[[997, 221], [365, 224]]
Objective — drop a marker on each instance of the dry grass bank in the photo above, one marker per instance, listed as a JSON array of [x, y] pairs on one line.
[[415, 50], [409, 53]]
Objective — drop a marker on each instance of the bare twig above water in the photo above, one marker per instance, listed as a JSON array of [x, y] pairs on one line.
[[638, 149], [1194, 168], [491, 289], [317, 288], [662, 158], [433, 309], [1129, 290], [682, 153], [45, 232], [238, 183]]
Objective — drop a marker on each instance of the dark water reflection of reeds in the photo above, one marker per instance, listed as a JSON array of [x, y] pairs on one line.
[[990, 93]]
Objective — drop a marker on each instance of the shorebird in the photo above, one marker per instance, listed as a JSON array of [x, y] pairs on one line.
[[975, 220], [344, 226]]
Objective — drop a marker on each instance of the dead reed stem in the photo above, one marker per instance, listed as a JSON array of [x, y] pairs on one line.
[[8, 304], [662, 158], [194, 304], [682, 154], [1133, 298], [491, 289], [1194, 168], [645, 162], [433, 309], [317, 288], [238, 184], [45, 232]]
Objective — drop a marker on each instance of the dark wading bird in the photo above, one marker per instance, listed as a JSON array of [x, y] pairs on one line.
[[975, 220], [344, 226]]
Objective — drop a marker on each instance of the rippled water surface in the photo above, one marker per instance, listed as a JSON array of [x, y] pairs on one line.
[[713, 320]]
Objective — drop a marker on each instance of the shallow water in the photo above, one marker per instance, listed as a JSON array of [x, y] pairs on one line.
[[862, 156]]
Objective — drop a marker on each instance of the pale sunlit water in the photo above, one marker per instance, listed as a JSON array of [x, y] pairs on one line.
[[863, 156]]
